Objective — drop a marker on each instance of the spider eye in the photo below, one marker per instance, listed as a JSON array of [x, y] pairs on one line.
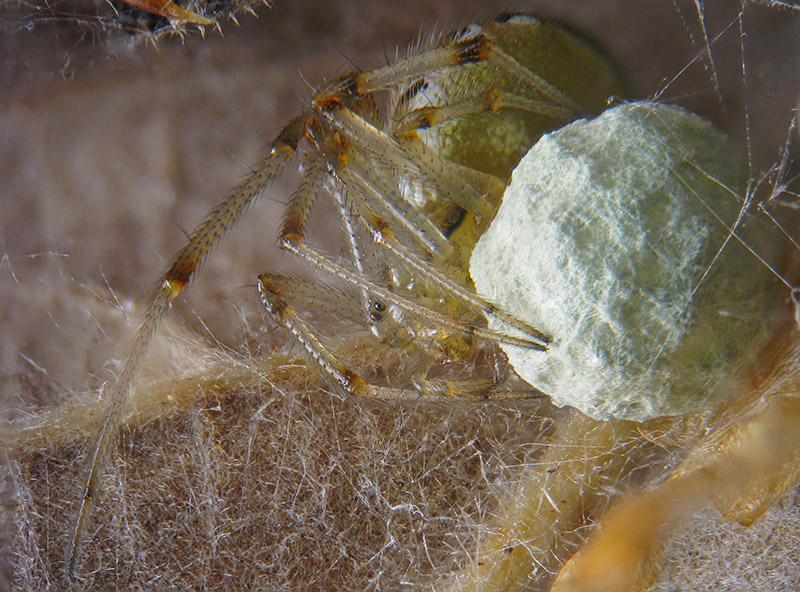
[[378, 306]]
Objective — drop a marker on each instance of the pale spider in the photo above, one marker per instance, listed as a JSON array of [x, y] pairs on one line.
[[415, 155]]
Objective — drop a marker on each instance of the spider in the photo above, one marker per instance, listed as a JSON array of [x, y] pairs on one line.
[[415, 156]]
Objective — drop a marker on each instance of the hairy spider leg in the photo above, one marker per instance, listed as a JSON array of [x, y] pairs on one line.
[[482, 47], [175, 279], [357, 174], [451, 179], [275, 302], [383, 236], [274, 297], [492, 100]]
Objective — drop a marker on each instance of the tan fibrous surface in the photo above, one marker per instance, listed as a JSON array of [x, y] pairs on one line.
[[264, 480], [240, 469]]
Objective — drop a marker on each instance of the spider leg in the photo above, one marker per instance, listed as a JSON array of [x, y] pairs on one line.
[[481, 47], [325, 263], [298, 210], [386, 239], [357, 246], [292, 239], [498, 57], [492, 100], [475, 389], [275, 291], [365, 189], [174, 280], [464, 186], [368, 177]]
